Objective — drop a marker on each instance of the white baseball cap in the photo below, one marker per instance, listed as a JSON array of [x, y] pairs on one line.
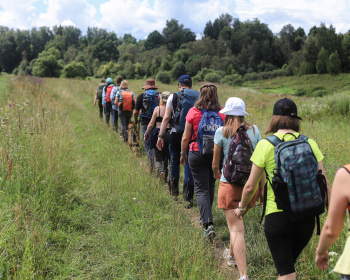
[[234, 107]]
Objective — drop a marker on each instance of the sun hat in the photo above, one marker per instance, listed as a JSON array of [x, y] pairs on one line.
[[286, 107], [150, 84], [109, 80], [183, 78], [234, 107], [164, 96]]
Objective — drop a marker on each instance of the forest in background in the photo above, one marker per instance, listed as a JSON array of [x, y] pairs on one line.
[[230, 51]]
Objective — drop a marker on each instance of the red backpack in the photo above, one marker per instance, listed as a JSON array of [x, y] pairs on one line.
[[108, 93]]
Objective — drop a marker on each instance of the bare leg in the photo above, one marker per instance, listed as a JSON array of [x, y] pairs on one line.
[[291, 276], [237, 243]]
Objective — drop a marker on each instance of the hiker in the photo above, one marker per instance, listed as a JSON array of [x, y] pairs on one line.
[[125, 99], [176, 110], [161, 157], [146, 102], [114, 104], [199, 158], [230, 189], [98, 96], [107, 101], [333, 226], [287, 231]]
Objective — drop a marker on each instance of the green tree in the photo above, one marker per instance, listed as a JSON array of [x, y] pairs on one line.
[[49, 64], [154, 40], [175, 34], [178, 70], [334, 64], [129, 39], [321, 63], [105, 51], [75, 70]]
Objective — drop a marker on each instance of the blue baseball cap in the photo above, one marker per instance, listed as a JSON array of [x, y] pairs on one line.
[[109, 80], [184, 77]]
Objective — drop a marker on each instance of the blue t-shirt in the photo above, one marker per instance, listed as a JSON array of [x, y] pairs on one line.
[[224, 143]]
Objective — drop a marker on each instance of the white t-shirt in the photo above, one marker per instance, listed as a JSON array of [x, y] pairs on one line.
[[224, 143], [169, 104]]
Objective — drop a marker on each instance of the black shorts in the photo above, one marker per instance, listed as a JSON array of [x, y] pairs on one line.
[[286, 240]]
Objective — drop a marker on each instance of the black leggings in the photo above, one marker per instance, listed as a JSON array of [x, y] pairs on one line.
[[286, 240]]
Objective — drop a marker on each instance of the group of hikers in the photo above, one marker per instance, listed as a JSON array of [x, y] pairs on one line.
[[283, 172]]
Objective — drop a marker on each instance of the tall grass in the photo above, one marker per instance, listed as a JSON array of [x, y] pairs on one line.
[[76, 203]]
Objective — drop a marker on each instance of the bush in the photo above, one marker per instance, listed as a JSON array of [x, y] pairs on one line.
[[164, 77], [74, 70], [212, 77], [178, 70], [201, 74], [232, 80]]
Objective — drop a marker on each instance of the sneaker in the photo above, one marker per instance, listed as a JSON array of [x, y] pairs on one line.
[[200, 220], [231, 261], [209, 233]]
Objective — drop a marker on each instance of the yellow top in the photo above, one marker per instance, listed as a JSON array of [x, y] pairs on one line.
[[264, 157], [343, 264]]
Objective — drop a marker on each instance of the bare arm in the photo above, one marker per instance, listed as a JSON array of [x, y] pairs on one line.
[[151, 123], [335, 218], [328, 198], [186, 137], [250, 188], [136, 115], [163, 126], [216, 161]]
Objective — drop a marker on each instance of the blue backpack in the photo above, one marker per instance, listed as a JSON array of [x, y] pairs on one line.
[[208, 124], [183, 101], [297, 180], [150, 101]]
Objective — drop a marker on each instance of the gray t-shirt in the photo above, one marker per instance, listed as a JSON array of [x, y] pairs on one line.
[[224, 143]]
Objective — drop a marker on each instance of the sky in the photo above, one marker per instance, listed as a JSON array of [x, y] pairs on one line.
[[141, 17]]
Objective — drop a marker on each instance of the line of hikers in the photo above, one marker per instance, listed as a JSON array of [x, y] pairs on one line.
[[283, 172]]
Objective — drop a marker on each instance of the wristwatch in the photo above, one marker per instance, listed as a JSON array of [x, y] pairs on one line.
[[160, 136]]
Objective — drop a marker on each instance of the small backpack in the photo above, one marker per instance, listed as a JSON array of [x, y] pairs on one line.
[[238, 166], [299, 186], [150, 101], [208, 124], [108, 93], [183, 101], [126, 102], [100, 90]]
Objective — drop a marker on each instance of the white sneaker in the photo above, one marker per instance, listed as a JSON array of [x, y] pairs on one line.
[[231, 261]]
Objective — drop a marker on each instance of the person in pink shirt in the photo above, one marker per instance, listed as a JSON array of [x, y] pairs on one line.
[[201, 162]]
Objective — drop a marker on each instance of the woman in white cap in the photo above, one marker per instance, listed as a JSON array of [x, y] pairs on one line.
[[161, 157], [229, 195]]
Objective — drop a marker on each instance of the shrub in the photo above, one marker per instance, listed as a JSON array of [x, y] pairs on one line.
[[178, 70], [212, 77], [232, 80], [74, 70], [334, 64], [164, 77]]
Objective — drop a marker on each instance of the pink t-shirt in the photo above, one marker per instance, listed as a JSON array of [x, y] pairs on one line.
[[194, 117]]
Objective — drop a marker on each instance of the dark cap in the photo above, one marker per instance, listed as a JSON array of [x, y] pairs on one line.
[[286, 107], [184, 77]]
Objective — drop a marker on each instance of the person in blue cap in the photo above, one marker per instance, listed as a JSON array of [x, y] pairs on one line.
[[177, 107]]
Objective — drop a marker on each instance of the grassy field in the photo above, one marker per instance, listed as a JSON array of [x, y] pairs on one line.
[[76, 203]]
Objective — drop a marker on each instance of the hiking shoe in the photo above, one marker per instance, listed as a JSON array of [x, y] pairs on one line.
[[209, 233], [231, 261], [188, 204]]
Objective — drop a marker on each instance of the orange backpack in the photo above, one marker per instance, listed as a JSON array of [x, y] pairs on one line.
[[108, 93], [127, 103]]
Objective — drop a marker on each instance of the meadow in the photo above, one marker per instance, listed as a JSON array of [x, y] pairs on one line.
[[76, 203]]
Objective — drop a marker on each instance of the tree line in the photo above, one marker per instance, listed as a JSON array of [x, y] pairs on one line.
[[230, 51]]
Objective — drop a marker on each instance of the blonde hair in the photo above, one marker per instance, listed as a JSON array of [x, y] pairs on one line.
[[232, 123], [124, 84]]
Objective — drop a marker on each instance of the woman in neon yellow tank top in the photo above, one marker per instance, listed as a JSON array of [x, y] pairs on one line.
[[333, 226], [286, 238]]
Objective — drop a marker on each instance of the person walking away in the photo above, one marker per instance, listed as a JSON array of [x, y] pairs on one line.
[[293, 201], [339, 204], [114, 105], [146, 102], [125, 99], [106, 99], [236, 131], [176, 110], [98, 96], [161, 157], [200, 154]]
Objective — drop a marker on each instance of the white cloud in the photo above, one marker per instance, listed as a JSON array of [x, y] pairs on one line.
[[17, 13]]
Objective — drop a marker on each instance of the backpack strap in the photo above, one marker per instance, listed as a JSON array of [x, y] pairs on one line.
[[273, 139], [265, 196], [347, 167]]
